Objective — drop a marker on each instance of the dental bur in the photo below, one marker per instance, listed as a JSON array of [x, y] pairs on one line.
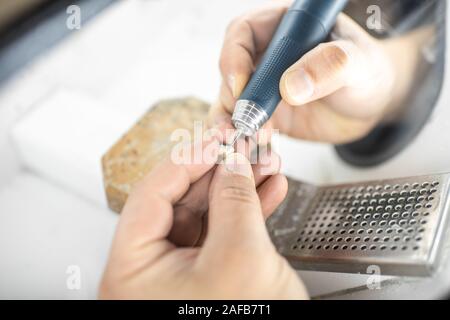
[[306, 24]]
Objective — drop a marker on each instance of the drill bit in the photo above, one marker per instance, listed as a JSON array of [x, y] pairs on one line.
[[236, 137], [227, 149]]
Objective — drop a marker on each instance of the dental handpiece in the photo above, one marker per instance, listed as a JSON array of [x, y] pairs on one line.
[[306, 24]]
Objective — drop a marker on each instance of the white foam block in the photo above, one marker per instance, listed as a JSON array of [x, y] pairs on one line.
[[45, 230], [64, 138]]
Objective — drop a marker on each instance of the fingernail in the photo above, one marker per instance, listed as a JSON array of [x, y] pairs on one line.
[[299, 86], [236, 163], [232, 84]]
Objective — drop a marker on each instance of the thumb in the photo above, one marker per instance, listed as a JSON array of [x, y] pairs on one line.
[[235, 215], [322, 71]]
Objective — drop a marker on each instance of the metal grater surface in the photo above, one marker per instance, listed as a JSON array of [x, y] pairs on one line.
[[397, 225]]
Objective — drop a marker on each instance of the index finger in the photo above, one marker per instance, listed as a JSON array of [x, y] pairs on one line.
[[246, 38], [148, 215]]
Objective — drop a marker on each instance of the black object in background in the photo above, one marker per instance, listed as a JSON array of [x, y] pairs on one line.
[[387, 140]]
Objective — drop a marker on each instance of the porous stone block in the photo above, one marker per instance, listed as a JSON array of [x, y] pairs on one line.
[[147, 143]]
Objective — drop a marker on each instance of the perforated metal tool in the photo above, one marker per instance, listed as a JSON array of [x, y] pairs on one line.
[[398, 225]]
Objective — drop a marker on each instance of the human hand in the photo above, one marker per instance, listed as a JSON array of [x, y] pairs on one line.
[[335, 93], [237, 259]]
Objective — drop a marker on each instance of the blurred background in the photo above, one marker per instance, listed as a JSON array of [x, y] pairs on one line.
[[75, 75]]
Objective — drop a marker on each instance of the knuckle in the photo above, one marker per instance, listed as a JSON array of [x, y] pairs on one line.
[[334, 56], [138, 186], [238, 193], [234, 22]]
